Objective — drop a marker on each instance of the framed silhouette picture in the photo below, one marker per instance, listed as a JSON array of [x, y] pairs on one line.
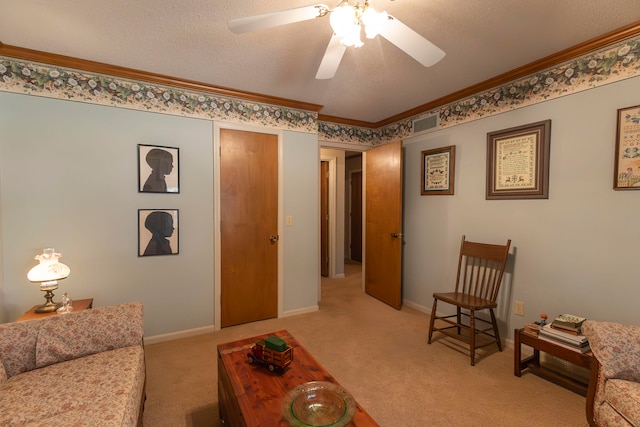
[[158, 169], [158, 232]]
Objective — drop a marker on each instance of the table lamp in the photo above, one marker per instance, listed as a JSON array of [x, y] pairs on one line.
[[47, 273]]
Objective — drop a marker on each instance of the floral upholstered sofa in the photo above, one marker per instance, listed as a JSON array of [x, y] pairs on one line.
[[614, 387], [85, 368]]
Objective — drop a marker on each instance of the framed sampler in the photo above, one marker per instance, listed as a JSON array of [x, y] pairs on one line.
[[518, 162], [437, 174], [626, 174]]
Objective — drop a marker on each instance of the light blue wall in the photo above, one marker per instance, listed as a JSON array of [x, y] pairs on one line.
[[576, 252], [68, 179], [301, 198]]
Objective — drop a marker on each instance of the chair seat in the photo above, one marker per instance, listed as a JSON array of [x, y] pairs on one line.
[[464, 300]]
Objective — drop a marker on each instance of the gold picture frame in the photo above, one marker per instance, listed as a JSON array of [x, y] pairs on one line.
[[518, 162], [437, 175], [626, 173]]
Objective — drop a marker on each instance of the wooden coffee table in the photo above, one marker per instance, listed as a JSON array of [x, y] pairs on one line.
[[250, 395]]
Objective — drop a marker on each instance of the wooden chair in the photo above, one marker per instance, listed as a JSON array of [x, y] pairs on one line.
[[480, 270]]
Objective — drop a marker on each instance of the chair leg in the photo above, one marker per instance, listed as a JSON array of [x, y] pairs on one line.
[[495, 329], [459, 318], [472, 336], [433, 318]]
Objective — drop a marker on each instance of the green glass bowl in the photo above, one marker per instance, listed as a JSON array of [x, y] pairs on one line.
[[318, 404]]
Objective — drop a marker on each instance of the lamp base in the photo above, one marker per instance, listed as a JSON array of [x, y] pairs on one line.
[[48, 306]]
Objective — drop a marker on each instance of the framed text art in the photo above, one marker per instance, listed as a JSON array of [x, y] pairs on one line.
[[438, 171], [158, 169], [158, 232], [518, 162], [626, 174]]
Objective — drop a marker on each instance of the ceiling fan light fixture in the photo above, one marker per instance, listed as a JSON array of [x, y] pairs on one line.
[[352, 36], [374, 22]]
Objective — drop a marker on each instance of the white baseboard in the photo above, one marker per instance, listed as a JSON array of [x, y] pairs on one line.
[[417, 306], [177, 335], [303, 310], [208, 329]]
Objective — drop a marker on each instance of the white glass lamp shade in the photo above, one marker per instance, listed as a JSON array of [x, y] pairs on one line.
[[47, 273], [49, 270]]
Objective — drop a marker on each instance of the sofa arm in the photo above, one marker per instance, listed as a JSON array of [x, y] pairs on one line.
[[77, 334], [617, 348]]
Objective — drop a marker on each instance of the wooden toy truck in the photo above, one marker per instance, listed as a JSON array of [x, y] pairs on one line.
[[272, 352]]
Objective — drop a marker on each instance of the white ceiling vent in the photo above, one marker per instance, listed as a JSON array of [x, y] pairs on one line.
[[426, 124]]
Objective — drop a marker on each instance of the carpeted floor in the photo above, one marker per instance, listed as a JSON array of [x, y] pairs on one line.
[[381, 356]]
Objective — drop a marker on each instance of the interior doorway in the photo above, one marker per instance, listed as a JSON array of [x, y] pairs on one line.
[[355, 216], [342, 217], [324, 218]]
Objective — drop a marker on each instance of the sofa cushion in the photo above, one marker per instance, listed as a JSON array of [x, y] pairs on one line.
[[18, 346], [3, 373], [77, 334], [103, 389], [624, 397], [616, 346]]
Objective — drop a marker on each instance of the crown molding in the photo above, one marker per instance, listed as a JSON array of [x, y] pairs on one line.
[[129, 73], [133, 74], [531, 68]]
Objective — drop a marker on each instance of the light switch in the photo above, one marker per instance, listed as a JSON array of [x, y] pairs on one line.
[[289, 220]]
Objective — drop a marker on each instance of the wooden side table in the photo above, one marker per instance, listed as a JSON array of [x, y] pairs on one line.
[[78, 305], [533, 362]]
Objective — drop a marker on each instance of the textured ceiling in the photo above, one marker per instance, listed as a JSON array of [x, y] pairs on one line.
[[189, 39]]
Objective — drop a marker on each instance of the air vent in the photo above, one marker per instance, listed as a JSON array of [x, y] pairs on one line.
[[426, 124]]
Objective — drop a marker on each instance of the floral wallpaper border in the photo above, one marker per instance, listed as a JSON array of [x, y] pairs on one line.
[[610, 64], [613, 63], [39, 79]]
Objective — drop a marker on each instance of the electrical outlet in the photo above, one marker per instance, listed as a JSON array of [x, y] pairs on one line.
[[518, 308]]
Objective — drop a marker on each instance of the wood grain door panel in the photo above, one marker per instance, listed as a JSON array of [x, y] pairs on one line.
[[383, 220], [248, 217]]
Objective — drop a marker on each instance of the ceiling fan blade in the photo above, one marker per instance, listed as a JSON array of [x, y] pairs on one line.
[[331, 59], [274, 19], [416, 46]]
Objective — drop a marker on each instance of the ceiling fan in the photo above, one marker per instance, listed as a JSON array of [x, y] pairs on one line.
[[347, 21]]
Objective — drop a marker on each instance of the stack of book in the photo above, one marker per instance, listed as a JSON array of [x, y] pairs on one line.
[[568, 323], [577, 343]]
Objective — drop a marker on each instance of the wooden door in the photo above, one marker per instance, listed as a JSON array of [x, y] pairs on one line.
[[248, 226], [324, 219], [356, 216], [383, 223]]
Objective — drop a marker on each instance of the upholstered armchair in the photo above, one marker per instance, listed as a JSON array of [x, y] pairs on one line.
[[614, 387]]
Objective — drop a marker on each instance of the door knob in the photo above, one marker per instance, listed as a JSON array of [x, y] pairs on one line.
[[396, 235], [273, 239]]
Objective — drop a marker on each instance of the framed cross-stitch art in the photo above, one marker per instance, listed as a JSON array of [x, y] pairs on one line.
[[518, 162], [626, 174], [437, 173]]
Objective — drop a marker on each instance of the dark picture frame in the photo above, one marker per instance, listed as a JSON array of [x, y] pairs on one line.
[[518, 162], [437, 171], [626, 169], [158, 169], [158, 232]]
